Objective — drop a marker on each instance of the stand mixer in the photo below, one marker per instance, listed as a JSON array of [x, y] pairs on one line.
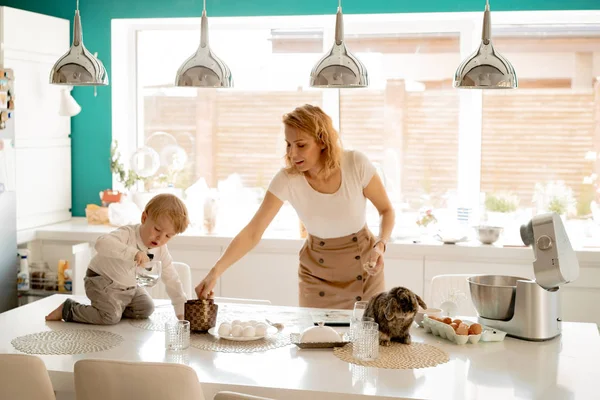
[[521, 307]]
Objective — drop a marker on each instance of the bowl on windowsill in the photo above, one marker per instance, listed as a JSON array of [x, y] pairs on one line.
[[488, 234]]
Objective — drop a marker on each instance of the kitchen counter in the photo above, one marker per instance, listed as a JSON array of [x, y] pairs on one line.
[[78, 230], [563, 368], [270, 270]]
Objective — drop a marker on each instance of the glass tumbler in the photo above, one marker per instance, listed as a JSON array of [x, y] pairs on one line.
[[359, 309], [148, 274], [354, 325], [365, 345], [177, 335]]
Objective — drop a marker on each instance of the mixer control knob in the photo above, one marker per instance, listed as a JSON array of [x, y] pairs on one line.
[[544, 242]]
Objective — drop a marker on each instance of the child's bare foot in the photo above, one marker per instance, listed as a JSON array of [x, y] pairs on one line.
[[56, 315]]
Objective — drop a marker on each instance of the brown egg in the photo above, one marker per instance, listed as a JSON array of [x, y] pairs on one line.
[[454, 326], [462, 330], [447, 320], [475, 329], [457, 321]]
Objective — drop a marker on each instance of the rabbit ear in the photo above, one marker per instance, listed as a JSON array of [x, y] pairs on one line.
[[390, 309], [421, 302]]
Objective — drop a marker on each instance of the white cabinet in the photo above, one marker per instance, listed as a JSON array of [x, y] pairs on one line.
[[264, 274], [270, 271], [404, 272], [580, 298], [42, 137]]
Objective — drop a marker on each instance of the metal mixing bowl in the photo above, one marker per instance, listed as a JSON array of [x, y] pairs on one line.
[[494, 295], [488, 234]]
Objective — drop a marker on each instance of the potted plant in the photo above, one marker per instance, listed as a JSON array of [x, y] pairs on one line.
[[555, 196], [500, 208], [128, 178], [427, 222]]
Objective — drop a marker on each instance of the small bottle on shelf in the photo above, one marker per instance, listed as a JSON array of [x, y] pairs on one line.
[[63, 265], [23, 276]]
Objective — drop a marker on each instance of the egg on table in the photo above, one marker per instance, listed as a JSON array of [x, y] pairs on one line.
[[236, 330], [475, 329], [248, 331], [260, 329], [463, 329], [224, 329]]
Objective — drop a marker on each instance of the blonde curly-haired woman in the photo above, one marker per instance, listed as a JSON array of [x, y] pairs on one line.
[[341, 261]]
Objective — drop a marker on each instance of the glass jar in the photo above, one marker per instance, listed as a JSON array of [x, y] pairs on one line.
[[38, 271]]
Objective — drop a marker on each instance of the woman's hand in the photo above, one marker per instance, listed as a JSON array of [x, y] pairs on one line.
[[375, 264], [204, 290]]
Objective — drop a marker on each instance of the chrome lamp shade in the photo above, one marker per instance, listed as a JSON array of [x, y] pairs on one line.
[[339, 68], [485, 68], [204, 68], [78, 67]]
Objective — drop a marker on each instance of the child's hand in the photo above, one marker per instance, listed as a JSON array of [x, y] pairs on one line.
[[141, 258]]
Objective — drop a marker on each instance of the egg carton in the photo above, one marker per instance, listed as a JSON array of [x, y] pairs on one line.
[[445, 331]]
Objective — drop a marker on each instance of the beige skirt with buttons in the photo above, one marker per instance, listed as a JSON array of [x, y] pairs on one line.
[[331, 273]]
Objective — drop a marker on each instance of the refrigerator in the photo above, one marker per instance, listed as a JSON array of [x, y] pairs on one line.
[[8, 205]]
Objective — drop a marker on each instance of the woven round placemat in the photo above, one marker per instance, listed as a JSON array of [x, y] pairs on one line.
[[205, 341], [156, 321], [77, 341], [398, 356]]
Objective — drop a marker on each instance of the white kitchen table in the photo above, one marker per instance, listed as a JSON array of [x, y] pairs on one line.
[[563, 368]]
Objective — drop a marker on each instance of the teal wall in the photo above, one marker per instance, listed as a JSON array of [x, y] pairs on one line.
[[91, 129]]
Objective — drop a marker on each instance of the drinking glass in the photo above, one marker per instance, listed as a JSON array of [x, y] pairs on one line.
[[359, 309], [353, 326], [365, 345], [148, 274], [177, 335]]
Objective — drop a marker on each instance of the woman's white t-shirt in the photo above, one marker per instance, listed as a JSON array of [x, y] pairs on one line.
[[329, 215]]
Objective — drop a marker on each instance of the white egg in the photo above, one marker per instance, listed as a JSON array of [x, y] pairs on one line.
[[253, 322], [236, 322], [224, 329], [246, 323], [248, 331], [260, 329], [236, 330]]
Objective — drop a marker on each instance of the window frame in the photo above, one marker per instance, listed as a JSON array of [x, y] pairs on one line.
[[127, 109]]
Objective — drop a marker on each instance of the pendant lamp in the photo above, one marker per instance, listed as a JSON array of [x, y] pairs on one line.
[[485, 68], [78, 67], [204, 68], [339, 68]]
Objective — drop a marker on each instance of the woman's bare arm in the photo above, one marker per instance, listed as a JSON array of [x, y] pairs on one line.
[[375, 192], [249, 237], [243, 242]]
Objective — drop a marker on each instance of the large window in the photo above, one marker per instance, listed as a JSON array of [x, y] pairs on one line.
[[435, 147]]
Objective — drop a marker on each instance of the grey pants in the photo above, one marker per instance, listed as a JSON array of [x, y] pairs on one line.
[[109, 304]]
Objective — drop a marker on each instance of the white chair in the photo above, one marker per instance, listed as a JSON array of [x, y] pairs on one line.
[[125, 380], [185, 276], [453, 288], [121, 380], [24, 377]]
